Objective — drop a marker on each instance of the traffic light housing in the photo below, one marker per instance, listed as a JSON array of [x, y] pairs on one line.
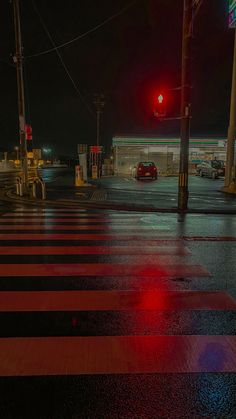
[[160, 106]]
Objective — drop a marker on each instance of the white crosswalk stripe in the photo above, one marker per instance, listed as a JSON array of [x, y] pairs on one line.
[[73, 275]]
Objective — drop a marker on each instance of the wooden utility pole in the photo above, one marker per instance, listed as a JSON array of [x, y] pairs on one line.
[[18, 59], [185, 104], [230, 159]]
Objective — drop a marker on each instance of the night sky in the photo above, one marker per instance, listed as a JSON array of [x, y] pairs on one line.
[[129, 60]]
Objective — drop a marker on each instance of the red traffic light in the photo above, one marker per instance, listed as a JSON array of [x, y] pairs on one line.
[[159, 106]]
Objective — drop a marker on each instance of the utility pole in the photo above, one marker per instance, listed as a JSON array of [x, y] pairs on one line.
[[18, 59], [185, 104], [230, 185], [99, 102]]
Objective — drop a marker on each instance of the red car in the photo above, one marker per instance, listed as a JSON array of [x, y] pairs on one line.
[[146, 169]]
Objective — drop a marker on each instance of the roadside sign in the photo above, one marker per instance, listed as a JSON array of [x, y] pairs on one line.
[[222, 143], [232, 13], [96, 149], [28, 132], [82, 148]]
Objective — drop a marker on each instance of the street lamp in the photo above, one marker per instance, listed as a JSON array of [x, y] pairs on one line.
[[47, 152]]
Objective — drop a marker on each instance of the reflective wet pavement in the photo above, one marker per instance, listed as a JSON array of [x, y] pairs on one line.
[[120, 396], [204, 193], [134, 319]]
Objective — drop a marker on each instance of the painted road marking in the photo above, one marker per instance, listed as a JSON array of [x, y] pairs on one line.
[[23, 301], [105, 227], [75, 212], [129, 249], [85, 236], [103, 269], [73, 221], [110, 236], [17, 216], [116, 355], [106, 354], [14, 215]]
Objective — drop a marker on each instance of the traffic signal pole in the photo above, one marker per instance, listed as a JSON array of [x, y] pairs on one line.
[[18, 59], [185, 104]]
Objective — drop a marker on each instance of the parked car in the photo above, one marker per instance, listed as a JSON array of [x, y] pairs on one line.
[[219, 165], [146, 169], [211, 168]]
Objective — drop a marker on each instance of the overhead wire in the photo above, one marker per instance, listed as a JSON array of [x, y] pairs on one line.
[[55, 48], [83, 35]]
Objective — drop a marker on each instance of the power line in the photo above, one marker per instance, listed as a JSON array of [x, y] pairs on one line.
[[61, 59], [109, 19]]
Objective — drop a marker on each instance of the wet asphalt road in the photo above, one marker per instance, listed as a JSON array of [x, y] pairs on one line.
[[204, 193], [211, 242], [139, 396]]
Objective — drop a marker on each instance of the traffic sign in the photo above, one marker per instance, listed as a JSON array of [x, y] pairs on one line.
[[95, 149]]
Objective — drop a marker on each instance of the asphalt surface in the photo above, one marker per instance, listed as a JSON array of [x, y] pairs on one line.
[[67, 243], [130, 396], [69, 239], [204, 194]]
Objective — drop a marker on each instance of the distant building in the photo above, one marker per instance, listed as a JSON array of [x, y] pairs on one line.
[[164, 152]]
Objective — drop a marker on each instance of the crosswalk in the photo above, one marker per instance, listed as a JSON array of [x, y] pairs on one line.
[[80, 289]]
